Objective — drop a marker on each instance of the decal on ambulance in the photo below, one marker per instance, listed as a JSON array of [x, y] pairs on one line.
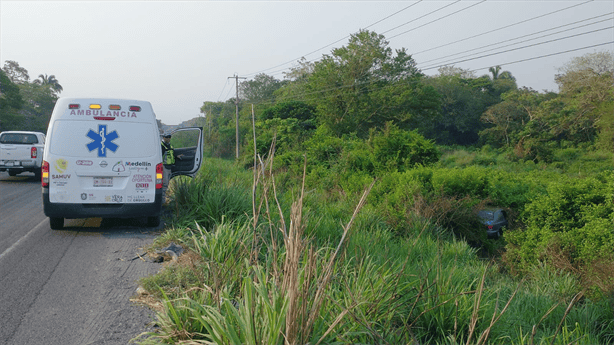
[[141, 178], [60, 165], [112, 114], [102, 140], [119, 167]]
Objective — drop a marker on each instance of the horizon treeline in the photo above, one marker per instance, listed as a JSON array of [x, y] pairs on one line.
[[364, 87]]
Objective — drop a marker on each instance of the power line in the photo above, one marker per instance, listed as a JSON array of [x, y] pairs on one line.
[[439, 9], [509, 50], [220, 96], [395, 13], [374, 81], [548, 55], [503, 27], [447, 63], [535, 33], [229, 90], [344, 38], [468, 7], [413, 20]]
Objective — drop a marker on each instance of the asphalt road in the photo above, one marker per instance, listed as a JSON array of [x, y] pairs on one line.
[[71, 286]]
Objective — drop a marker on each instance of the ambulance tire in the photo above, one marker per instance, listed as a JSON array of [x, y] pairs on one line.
[[56, 223], [153, 222]]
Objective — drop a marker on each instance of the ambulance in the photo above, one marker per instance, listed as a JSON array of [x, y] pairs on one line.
[[103, 158]]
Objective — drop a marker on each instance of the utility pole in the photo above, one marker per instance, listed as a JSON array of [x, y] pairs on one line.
[[237, 110]]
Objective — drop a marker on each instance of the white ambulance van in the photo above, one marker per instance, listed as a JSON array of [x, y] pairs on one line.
[[103, 158]]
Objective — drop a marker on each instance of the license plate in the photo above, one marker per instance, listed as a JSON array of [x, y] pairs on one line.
[[103, 182]]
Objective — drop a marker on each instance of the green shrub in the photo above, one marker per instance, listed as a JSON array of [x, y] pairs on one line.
[[472, 181], [358, 157], [323, 148], [567, 155], [569, 227], [512, 190], [398, 150]]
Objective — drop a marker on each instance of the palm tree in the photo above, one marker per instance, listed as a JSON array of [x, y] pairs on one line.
[[495, 72], [50, 81]]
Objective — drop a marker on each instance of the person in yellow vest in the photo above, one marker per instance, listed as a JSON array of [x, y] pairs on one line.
[[168, 153], [168, 157]]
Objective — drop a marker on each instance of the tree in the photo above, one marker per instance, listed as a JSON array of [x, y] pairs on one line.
[[295, 81], [506, 120], [452, 71], [50, 81], [506, 75], [464, 98], [32, 102], [15, 73], [495, 72], [364, 85], [537, 124], [502, 82], [10, 103], [260, 88], [38, 105], [300, 72], [219, 136], [289, 123], [462, 103], [291, 109], [587, 91], [599, 63]]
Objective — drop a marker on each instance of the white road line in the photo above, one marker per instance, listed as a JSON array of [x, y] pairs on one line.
[[43, 223]]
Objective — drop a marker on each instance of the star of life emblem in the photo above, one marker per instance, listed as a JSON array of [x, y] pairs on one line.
[[102, 140]]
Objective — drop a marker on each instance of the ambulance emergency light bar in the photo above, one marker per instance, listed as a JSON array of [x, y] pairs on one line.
[[111, 107]]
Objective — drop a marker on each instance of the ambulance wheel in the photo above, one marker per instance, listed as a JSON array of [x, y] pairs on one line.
[[12, 172], [56, 223], [153, 222]]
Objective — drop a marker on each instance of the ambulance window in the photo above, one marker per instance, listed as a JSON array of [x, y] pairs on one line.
[[121, 140], [183, 139]]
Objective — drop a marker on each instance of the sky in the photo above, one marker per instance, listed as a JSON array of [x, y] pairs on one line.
[[179, 54]]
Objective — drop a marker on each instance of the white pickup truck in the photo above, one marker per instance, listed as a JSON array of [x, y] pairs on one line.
[[21, 151]]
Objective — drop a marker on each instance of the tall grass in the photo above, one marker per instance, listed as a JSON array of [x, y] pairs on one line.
[[209, 198], [315, 271]]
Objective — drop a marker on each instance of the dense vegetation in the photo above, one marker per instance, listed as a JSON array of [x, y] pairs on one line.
[[351, 215]]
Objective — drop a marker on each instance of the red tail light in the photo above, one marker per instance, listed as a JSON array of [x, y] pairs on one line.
[[45, 174], [159, 175], [33, 152]]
